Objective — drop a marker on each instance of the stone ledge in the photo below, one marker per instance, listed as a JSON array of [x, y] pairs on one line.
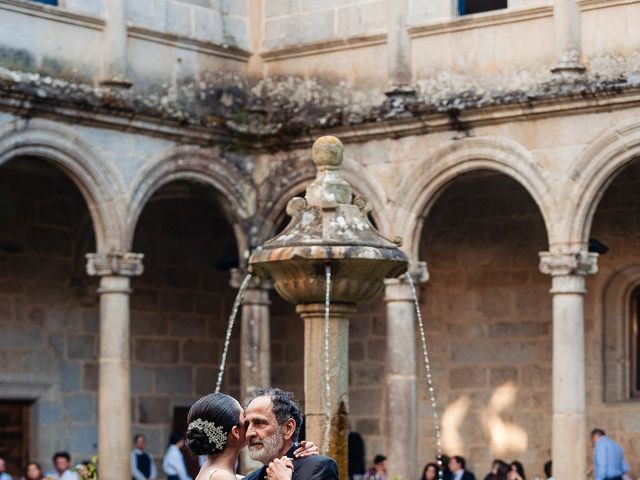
[[317, 48], [56, 14]]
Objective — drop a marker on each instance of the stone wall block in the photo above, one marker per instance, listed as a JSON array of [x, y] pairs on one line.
[[201, 351], [90, 377], [173, 380], [148, 324], [154, 410], [311, 27], [141, 380], [48, 412], [81, 347], [187, 326], [157, 351], [519, 329], [366, 401], [174, 301], [235, 7], [205, 380], [90, 7], [145, 13], [70, 376], [81, 407], [84, 440], [314, 5], [278, 8], [236, 32], [365, 373], [501, 375], [178, 18], [468, 377], [361, 19], [143, 299]]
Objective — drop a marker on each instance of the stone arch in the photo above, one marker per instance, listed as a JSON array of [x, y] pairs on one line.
[[421, 187], [198, 165], [100, 184], [352, 171], [594, 171], [616, 329]]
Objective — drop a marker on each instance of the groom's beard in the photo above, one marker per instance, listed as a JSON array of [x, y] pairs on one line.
[[271, 447]]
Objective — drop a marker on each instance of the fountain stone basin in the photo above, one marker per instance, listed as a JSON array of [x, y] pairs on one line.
[[328, 226]]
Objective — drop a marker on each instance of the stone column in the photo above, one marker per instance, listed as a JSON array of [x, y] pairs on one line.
[[566, 17], [400, 76], [569, 427], [401, 376], [114, 396], [255, 343], [114, 61], [317, 410], [255, 64]]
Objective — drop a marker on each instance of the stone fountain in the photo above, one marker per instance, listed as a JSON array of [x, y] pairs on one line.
[[328, 227]]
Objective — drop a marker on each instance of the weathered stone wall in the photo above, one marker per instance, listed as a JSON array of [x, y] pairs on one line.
[[488, 324], [290, 22], [615, 225], [48, 310], [49, 316], [179, 309]]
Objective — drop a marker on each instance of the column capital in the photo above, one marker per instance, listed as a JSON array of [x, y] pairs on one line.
[[237, 276], [578, 262], [119, 264]]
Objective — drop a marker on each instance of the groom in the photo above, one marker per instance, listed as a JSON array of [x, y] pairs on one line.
[[273, 420]]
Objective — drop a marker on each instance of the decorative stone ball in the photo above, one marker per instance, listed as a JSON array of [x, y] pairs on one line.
[[327, 152]]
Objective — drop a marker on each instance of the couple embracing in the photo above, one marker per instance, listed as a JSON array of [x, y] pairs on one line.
[[269, 426]]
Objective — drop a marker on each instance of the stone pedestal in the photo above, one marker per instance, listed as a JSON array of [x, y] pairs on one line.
[[566, 17], [569, 428], [114, 390], [319, 411]]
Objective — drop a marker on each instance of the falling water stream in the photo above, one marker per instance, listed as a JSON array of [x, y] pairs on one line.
[[429, 378], [232, 319], [327, 385]]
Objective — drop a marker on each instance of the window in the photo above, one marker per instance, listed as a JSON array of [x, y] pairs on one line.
[[47, 2], [14, 434], [466, 7]]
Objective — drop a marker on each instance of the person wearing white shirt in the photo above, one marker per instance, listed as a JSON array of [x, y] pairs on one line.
[[62, 465], [3, 470], [173, 461], [142, 465]]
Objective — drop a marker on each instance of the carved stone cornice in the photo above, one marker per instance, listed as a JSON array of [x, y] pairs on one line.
[[578, 262], [124, 264]]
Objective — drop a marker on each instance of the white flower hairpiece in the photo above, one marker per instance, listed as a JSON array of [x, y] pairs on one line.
[[215, 434]]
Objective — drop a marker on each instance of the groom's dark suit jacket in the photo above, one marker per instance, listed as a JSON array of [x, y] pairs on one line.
[[315, 467]]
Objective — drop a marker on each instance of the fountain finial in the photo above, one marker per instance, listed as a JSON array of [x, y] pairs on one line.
[[327, 152]]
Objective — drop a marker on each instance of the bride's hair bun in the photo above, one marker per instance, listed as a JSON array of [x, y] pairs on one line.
[[210, 420]]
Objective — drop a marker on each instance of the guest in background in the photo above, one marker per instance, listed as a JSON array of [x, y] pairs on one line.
[[430, 472], [496, 465], [516, 471], [356, 455], [173, 461], [457, 466], [3, 469], [62, 466], [547, 470], [142, 465], [379, 469], [608, 457], [33, 471]]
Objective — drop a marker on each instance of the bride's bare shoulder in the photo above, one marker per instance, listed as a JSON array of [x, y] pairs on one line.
[[217, 474]]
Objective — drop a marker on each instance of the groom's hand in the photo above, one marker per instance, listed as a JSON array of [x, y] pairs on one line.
[[306, 449], [280, 469]]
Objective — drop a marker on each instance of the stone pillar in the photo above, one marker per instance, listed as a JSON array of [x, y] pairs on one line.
[[114, 61], [317, 410], [255, 344], [401, 376], [569, 427], [566, 16], [114, 396], [400, 76]]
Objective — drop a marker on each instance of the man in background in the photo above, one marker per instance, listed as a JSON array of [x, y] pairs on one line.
[[608, 458], [142, 465]]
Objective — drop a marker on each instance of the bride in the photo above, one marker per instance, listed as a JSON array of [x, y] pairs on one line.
[[217, 430]]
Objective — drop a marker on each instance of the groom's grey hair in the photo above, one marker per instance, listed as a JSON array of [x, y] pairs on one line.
[[283, 405]]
